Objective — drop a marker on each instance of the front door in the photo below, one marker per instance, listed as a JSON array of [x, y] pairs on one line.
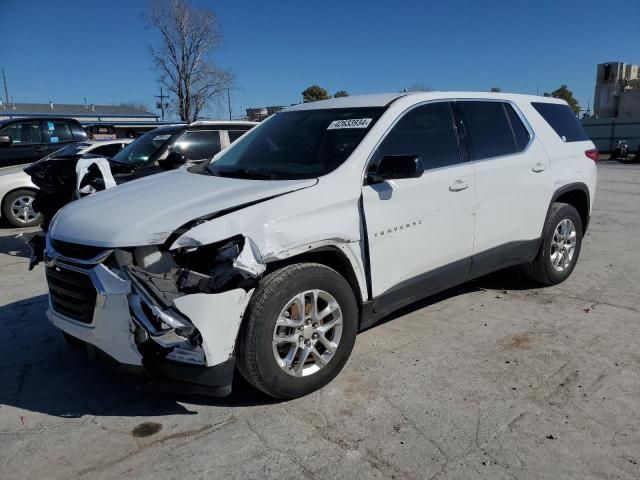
[[420, 230], [26, 145]]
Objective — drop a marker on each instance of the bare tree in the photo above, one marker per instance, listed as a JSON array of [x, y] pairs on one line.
[[136, 104], [185, 59]]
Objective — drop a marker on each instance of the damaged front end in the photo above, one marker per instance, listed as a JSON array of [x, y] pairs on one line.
[[176, 312]]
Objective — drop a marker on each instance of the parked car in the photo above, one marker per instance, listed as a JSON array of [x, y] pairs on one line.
[[161, 149], [26, 140], [314, 225], [18, 202], [621, 152]]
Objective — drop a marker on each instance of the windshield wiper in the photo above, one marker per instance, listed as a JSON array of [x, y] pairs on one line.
[[249, 173]]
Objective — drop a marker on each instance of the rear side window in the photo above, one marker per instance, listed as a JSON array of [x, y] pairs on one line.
[[107, 150], [489, 130], [58, 131], [427, 132], [198, 145], [562, 120], [520, 132]]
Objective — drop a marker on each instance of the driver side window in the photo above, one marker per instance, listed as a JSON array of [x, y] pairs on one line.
[[426, 131], [198, 145], [23, 133]]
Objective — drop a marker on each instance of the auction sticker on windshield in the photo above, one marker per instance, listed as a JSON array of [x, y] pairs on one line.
[[350, 123]]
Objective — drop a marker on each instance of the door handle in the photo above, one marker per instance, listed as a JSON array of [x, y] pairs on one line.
[[458, 186], [539, 167]]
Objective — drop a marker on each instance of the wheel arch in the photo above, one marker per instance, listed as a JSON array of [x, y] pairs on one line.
[[330, 256], [576, 195]]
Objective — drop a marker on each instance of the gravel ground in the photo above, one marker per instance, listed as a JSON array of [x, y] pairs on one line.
[[494, 379]]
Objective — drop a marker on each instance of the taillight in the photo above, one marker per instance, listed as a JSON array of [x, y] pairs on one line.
[[592, 154]]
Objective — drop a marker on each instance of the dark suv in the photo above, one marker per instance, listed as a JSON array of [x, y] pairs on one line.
[[25, 140]]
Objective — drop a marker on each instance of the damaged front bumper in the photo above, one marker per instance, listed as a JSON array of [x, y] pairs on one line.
[[96, 299]]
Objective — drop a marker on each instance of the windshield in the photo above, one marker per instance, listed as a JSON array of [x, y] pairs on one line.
[[298, 144], [141, 150]]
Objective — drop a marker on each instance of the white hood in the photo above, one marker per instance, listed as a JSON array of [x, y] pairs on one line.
[[149, 210]]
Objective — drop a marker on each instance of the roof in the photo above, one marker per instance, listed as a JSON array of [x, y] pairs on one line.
[[66, 109], [352, 101], [384, 99], [239, 123]]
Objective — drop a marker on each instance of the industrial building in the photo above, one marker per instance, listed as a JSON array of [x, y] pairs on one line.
[[616, 107], [128, 121]]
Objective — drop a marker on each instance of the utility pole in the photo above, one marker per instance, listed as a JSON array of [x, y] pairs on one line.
[[229, 101], [6, 91], [161, 104]]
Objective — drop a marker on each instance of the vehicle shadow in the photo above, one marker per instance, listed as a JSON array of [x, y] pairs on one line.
[[15, 244], [42, 375], [503, 280]]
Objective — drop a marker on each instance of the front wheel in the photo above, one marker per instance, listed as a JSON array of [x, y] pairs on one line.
[[560, 249], [299, 330], [17, 208]]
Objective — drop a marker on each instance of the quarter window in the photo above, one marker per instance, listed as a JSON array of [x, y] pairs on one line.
[[490, 134], [23, 133], [427, 132], [562, 120]]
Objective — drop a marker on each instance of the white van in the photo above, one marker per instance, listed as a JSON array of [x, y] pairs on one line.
[[314, 225]]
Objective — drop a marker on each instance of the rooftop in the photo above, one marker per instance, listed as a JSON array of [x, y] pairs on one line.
[[66, 109]]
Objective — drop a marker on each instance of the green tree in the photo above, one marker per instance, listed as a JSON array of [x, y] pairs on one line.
[[496, 89], [314, 93], [341, 93], [567, 95]]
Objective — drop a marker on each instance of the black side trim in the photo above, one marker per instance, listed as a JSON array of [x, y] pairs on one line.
[[440, 279], [514, 253], [218, 378], [366, 260]]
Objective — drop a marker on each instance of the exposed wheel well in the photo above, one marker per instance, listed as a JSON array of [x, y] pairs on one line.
[[333, 258], [579, 199]]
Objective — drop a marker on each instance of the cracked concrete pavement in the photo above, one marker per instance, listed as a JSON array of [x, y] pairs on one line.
[[494, 379]]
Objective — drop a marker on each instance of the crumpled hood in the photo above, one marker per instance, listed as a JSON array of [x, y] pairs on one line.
[[147, 211]]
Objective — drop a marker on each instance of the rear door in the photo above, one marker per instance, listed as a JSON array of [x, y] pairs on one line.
[[420, 230], [26, 144], [513, 181]]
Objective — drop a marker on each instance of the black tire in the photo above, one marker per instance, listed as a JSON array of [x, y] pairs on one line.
[[256, 360], [10, 216], [541, 269]]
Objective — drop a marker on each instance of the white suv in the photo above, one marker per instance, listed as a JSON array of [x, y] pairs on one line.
[[314, 225]]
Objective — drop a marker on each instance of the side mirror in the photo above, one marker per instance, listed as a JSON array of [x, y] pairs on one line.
[[396, 167], [5, 141]]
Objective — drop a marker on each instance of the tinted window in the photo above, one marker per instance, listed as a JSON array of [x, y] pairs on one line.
[[235, 134], [78, 132], [23, 133], [58, 131], [520, 132], [199, 145], [427, 132], [297, 144], [489, 131], [562, 120], [107, 150]]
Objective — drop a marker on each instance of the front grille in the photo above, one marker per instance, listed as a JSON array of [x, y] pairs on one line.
[[72, 293], [74, 250]]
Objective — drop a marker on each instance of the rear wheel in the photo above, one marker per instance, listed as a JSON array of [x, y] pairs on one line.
[[299, 330], [17, 208], [560, 249]]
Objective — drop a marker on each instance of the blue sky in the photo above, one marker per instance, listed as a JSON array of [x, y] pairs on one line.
[[67, 50]]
